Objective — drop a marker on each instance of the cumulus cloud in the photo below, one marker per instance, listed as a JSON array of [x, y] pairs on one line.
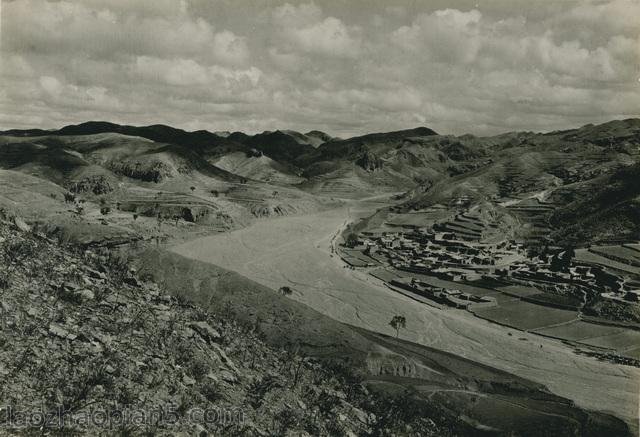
[[344, 67], [444, 36], [305, 29]]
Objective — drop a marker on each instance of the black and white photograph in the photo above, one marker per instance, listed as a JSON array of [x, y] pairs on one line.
[[303, 218]]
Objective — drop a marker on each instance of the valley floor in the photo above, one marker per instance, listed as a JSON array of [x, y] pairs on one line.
[[296, 251]]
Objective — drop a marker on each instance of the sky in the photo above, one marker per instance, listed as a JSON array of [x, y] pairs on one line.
[[346, 67]]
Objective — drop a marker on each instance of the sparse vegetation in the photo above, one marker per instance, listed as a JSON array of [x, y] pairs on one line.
[[151, 356], [351, 240]]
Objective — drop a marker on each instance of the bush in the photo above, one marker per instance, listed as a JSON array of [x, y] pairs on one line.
[[212, 391], [20, 250], [351, 240], [4, 280], [287, 419], [258, 389]]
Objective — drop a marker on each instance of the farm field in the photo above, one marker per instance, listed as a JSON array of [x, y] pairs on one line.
[[359, 256], [524, 315], [633, 353], [579, 330], [519, 290], [620, 341], [589, 257], [555, 299], [450, 285], [421, 219], [619, 253]]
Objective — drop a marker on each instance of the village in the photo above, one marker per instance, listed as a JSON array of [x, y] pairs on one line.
[[419, 253]]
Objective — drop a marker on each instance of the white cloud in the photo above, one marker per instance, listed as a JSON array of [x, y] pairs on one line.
[[443, 36], [326, 65], [187, 72], [230, 48], [51, 85], [305, 29]]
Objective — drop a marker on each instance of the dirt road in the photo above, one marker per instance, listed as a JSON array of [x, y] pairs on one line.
[[295, 251]]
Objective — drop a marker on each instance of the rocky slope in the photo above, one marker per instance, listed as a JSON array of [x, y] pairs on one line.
[[84, 334]]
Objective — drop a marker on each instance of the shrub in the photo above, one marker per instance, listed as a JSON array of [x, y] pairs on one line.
[[212, 391], [199, 367], [258, 389], [4, 280], [287, 419], [20, 250]]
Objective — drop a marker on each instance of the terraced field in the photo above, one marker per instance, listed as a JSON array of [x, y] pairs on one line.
[[524, 315], [623, 254], [589, 257]]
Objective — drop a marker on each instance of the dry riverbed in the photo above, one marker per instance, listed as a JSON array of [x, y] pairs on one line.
[[296, 251]]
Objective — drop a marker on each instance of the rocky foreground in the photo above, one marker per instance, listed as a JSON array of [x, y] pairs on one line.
[[87, 346]]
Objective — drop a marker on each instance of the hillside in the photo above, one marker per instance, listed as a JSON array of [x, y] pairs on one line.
[[112, 190], [606, 208], [84, 332], [560, 169]]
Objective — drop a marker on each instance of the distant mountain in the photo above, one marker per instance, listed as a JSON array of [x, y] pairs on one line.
[[318, 138], [562, 166], [586, 180], [201, 139], [280, 145]]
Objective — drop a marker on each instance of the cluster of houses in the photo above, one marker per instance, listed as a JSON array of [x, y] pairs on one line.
[[452, 298], [442, 254]]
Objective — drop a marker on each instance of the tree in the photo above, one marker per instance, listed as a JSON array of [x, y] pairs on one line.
[[568, 255], [286, 291], [193, 189], [398, 322], [135, 217], [352, 240], [69, 197]]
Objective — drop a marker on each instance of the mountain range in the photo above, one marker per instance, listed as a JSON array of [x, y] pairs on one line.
[[566, 168]]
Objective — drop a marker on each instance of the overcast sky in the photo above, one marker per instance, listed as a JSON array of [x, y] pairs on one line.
[[342, 66]]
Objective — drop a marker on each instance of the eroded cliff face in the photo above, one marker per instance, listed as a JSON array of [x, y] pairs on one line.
[[369, 161]]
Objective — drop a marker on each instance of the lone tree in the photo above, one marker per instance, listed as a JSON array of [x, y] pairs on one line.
[[286, 291], [193, 189], [398, 322]]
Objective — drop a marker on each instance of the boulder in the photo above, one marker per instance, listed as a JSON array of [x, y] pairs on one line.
[[205, 330], [20, 224]]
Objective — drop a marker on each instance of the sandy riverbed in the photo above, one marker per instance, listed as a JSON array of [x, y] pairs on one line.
[[295, 251]]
